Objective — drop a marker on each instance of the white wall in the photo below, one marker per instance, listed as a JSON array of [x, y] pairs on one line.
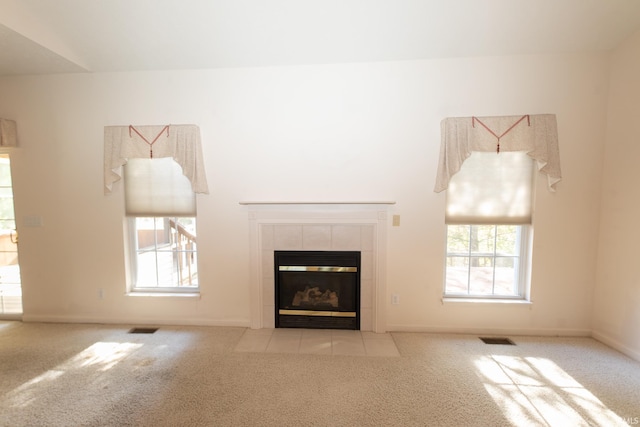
[[333, 132], [616, 317]]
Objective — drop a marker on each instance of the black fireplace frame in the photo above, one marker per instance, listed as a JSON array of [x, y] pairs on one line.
[[318, 262]]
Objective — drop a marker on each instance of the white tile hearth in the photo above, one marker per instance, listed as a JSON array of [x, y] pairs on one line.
[[329, 342]]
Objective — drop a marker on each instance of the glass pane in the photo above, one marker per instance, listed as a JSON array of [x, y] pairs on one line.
[[9, 267], [10, 289], [6, 204], [7, 225], [189, 224], [481, 276], [148, 231], [166, 252], [184, 251], [506, 276], [458, 239], [482, 239], [146, 267], [5, 172], [488, 266], [506, 240], [167, 276], [457, 275], [11, 294], [6, 192]]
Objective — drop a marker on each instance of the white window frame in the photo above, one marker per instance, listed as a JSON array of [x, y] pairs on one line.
[[523, 284], [132, 257]]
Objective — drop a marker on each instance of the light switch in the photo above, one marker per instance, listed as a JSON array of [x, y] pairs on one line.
[[396, 221]]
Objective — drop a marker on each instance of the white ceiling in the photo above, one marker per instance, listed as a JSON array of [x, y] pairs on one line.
[[59, 36]]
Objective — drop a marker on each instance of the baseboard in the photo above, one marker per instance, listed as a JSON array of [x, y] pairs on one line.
[[11, 317], [613, 343], [491, 331], [136, 321]]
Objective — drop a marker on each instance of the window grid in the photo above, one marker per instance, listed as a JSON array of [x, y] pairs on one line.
[[165, 255], [507, 243]]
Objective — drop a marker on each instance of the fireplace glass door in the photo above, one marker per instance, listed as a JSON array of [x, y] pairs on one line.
[[317, 289]]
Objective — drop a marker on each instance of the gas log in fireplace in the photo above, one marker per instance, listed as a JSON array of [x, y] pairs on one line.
[[317, 289]]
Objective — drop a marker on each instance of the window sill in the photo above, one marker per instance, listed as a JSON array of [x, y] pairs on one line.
[[164, 294], [523, 302]]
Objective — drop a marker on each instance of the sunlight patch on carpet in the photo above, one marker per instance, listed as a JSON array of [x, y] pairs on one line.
[[537, 390], [95, 359]]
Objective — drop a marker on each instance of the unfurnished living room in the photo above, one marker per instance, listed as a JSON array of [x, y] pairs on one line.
[[319, 213]]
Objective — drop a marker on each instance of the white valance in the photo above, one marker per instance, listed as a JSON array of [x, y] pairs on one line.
[[8, 133], [181, 142], [537, 135]]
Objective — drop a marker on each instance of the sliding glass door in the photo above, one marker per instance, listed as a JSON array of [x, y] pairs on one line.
[[10, 287]]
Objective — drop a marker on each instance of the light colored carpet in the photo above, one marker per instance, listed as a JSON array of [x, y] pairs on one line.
[[100, 375]]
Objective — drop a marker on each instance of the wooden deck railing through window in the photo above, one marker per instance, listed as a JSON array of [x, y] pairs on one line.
[[184, 253]]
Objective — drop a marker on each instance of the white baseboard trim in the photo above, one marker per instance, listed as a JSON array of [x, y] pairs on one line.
[[136, 321], [605, 339], [491, 331]]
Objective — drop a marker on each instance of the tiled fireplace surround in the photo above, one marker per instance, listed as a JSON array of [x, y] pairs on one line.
[[319, 226]]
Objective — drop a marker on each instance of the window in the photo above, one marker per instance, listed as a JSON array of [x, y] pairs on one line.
[[163, 168], [485, 260], [486, 165], [488, 217], [161, 206], [164, 255]]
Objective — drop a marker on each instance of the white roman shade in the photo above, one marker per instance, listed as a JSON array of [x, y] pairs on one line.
[[492, 188], [157, 187]]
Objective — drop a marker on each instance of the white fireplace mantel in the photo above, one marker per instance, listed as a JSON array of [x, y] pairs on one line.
[[319, 225]]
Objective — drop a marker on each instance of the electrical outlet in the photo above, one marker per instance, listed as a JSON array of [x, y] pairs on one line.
[[100, 293], [395, 299]]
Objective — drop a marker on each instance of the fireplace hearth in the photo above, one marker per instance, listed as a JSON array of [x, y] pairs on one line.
[[317, 289]]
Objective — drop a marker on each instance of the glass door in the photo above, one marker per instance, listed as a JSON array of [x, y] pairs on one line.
[[10, 287]]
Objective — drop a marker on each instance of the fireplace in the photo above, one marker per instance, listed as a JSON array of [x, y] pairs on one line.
[[325, 226], [317, 289]]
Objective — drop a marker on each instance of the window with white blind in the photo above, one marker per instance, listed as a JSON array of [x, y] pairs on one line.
[[161, 209], [488, 216]]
